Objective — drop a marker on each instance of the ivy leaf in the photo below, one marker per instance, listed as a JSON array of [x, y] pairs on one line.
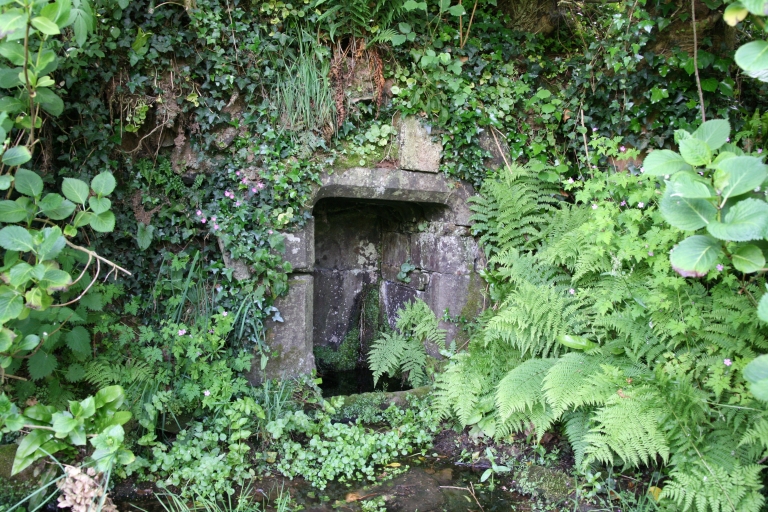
[[16, 238], [746, 220], [663, 161], [27, 182], [41, 365], [694, 256], [79, 340], [103, 222], [714, 133], [75, 190], [748, 259], [740, 174], [753, 56], [11, 304], [103, 184], [695, 151], [144, 235], [11, 211]]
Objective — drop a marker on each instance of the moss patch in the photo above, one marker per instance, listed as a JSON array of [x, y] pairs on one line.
[[367, 155], [343, 358], [550, 484]]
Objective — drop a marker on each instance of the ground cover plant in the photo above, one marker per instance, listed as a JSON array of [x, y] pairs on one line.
[[143, 143]]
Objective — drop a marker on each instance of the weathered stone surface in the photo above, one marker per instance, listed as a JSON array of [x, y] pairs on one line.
[[394, 296], [291, 340], [444, 254], [448, 292], [386, 184], [458, 208], [395, 248], [337, 300], [498, 148], [417, 150], [240, 268], [300, 248]]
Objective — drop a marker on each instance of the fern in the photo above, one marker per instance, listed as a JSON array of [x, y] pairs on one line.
[[404, 351], [704, 487]]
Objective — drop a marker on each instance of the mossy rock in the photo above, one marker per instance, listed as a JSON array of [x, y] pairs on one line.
[[384, 400], [551, 484]]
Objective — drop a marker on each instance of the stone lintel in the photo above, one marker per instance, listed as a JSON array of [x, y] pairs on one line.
[[387, 185]]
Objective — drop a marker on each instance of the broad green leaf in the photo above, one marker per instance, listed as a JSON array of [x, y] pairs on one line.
[[6, 339], [14, 52], [75, 190], [103, 184], [17, 155], [30, 342], [84, 408], [762, 308], [738, 175], [457, 10], [25, 453], [40, 413], [56, 207], [48, 63], [759, 7], [714, 132], [16, 238], [575, 342], [75, 373], [82, 219], [695, 256], [398, 39], [70, 230], [103, 222], [686, 184], [21, 273], [9, 78], [53, 243], [753, 56], [144, 235], [746, 220], [5, 179], [58, 12], [11, 304], [695, 152], [45, 26], [756, 373], [110, 395], [13, 20], [63, 424], [79, 340], [663, 161], [748, 259], [41, 365], [11, 211], [36, 298], [405, 28], [735, 13], [99, 204], [56, 280], [28, 182], [50, 101], [12, 105]]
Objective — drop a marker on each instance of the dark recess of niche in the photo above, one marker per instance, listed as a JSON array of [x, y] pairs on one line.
[[338, 218]]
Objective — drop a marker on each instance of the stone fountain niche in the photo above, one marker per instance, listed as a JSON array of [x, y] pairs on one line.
[[365, 224]]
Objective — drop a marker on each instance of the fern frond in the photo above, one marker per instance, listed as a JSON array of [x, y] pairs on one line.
[[386, 353], [521, 389], [569, 383]]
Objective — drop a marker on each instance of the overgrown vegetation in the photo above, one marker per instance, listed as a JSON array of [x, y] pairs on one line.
[[153, 144]]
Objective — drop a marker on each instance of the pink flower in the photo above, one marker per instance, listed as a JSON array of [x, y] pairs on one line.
[[640, 204], [202, 220], [570, 180], [224, 313], [594, 128], [759, 150], [269, 232], [237, 173], [261, 185], [572, 291], [213, 218], [623, 203], [182, 332], [622, 149], [228, 194], [727, 139], [650, 253], [237, 203], [215, 226], [253, 190], [719, 267], [199, 212], [727, 362], [594, 207], [244, 180], [207, 393]]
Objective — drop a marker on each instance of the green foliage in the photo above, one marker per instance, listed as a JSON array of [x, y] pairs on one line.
[[600, 334], [345, 452], [404, 351]]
